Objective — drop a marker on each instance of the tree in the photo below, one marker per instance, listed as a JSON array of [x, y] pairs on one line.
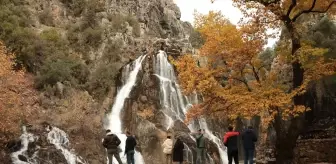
[[286, 13], [237, 83]]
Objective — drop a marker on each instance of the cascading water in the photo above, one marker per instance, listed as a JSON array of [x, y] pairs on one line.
[[123, 93], [26, 138], [202, 124], [216, 140], [174, 104], [171, 99], [55, 136], [60, 139]]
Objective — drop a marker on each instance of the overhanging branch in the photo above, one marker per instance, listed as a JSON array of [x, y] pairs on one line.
[[265, 2], [291, 7], [311, 10]]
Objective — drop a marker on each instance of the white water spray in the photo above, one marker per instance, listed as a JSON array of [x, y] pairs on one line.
[[60, 139], [26, 138], [114, 116], [175, 104]]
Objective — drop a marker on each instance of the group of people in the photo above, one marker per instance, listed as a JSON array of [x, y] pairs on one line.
[[174, 151], [111, 142], [231, 142]]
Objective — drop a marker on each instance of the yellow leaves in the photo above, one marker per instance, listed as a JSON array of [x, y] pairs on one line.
[[233, 82], [221, 37], [307, 54]]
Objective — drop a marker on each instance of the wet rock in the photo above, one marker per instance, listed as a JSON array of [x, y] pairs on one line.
[[23, 158], [179, 126], [143, 99], [51, 155], [60, 89], [150, 139], [14, 145]]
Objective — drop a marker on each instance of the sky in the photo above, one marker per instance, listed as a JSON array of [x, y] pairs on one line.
[[188, 7]]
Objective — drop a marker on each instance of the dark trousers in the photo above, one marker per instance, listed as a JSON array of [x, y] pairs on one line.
[[130, 157], [115, 153], [233, 154], [249, 154]]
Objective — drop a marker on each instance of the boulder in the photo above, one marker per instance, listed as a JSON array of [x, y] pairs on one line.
[[60, 89]]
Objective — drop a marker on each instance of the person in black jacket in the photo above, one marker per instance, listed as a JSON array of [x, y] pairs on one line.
[[249, 138], [178, 151], [129, 148], [111, 143], [231, 142]]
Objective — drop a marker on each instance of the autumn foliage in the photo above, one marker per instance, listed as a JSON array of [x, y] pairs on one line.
[[235, 82], [17, 97]]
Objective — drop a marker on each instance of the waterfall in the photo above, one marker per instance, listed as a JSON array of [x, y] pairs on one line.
[[175, 105], [216, 140], [202, 124], [171, 99], [60, 139], [55, 136], [26, 138], [114, 117]]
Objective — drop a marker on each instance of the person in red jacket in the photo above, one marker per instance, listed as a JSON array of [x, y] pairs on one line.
[[231, 142]]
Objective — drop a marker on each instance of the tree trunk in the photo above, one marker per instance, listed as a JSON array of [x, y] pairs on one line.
[[289, 130]]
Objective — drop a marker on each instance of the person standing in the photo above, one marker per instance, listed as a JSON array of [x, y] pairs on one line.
[[200, 147], [178, 151], [231, 142], [129, 148], [111, 143], [167, 149], [249, 138]]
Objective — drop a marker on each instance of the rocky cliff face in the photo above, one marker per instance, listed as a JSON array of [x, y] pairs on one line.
[[144, 114], [320, 130]]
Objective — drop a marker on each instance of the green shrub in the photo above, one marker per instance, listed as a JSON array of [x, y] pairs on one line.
[[112, 51], [96, 5], [17, 36], [51, 35], [61, 69], [93, 37], [103, 79], [119, 20], [133, 21], [46, 17], [73, 35], [324, 35]]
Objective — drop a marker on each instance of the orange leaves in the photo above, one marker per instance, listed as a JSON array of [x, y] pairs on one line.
[[220, 35], [17, 96], [234, 81], [146, 113]]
